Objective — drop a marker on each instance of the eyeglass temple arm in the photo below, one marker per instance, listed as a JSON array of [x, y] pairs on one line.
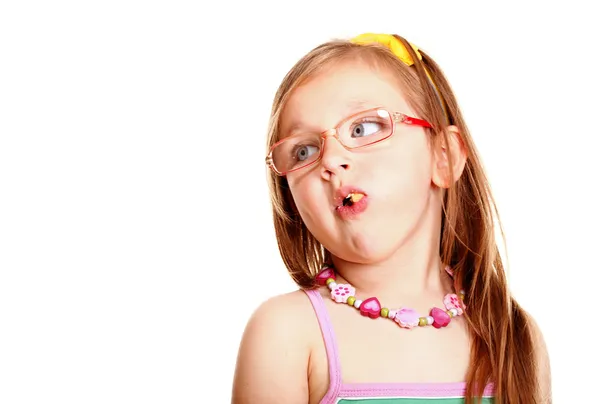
[[400, 117]]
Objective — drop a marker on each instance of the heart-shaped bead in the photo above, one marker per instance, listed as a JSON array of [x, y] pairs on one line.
[[371, 308], [440, 317], [324, 275]]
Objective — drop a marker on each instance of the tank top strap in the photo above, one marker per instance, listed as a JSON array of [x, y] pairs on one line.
[[333, 359]]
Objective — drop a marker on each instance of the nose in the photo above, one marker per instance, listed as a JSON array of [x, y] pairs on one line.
[[335, 158]]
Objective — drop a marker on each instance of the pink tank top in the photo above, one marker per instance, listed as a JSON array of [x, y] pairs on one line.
[[379, 393]]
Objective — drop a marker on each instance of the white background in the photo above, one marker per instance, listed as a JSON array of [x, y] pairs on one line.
[[135, 227]]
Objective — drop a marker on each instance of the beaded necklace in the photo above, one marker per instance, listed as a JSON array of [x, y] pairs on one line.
[[405, 317]]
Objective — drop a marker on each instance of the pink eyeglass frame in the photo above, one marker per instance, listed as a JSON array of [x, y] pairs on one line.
[[397, 117]]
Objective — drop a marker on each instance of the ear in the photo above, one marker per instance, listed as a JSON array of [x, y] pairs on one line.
[[448, 159]]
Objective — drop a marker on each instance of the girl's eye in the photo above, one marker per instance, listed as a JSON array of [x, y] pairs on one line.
[[365, 129], [303, 153]]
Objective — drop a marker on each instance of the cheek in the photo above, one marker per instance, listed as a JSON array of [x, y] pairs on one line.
[[405, 172], [308, 197]]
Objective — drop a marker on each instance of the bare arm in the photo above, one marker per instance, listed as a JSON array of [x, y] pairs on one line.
[[543, 361], [273, 356]]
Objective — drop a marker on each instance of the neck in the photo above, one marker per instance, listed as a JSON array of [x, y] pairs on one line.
[[413, 270]]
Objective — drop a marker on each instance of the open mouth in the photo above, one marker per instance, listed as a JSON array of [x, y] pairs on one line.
[[350, 202]]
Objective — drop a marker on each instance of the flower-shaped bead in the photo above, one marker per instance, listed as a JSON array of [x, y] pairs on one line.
[[407, 318], [342, 292], [451, 301]]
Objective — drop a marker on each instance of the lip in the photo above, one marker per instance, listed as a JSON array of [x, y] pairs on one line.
[[350, 212]]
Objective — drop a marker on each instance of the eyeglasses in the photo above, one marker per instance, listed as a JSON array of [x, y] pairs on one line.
[[356, 131]]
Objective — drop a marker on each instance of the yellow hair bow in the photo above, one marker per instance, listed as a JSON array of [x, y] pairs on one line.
[[398, 49], [391, 42]]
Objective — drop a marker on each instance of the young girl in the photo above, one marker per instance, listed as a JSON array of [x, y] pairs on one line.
[[385, 220]]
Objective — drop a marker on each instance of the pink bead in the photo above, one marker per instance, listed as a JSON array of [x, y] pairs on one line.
[[371, 308], [342, 292], [324, 275], [440, 317], [451, 301], [407, 318]]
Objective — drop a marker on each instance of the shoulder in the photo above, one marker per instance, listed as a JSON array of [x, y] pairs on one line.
[[542, 359], [282, 316], [274, 351]]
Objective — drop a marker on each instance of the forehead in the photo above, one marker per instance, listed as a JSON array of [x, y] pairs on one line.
[[338, 92]]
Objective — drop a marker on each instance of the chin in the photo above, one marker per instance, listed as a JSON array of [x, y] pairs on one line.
[[364, 242], [363, 249]]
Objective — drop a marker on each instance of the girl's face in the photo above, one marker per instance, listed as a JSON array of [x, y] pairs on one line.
[[395, 174]]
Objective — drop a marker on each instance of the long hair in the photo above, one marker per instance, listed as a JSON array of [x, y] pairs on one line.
[[502, 342]]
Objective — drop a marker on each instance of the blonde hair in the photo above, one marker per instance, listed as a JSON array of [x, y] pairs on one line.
[[502, 343]]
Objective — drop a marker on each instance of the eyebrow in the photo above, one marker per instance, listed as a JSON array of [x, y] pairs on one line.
[[357, 105], [352, 106]]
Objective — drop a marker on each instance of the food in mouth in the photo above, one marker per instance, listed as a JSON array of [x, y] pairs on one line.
[[352, 198]]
